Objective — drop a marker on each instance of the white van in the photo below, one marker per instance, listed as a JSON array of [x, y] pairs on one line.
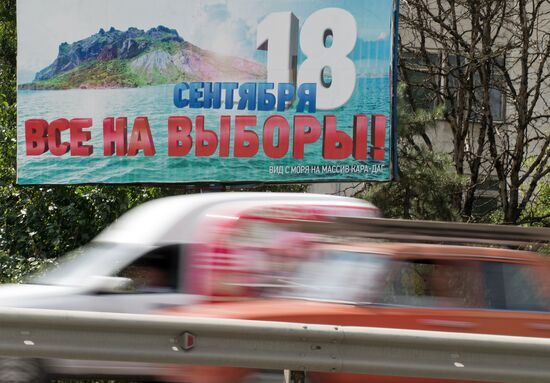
[[171, 251]]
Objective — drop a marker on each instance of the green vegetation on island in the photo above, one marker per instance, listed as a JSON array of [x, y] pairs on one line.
[[135, 58]]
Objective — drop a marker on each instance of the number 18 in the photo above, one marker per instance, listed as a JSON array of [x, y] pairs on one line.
[[278, 34]]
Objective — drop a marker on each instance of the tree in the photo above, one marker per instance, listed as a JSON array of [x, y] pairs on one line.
[[482, 56], [427, 183]]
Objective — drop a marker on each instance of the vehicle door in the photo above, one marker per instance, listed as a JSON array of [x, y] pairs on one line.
[[517, 296], [459, 295], [150, 282]]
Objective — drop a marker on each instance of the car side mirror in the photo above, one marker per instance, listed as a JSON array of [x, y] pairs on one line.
[[110, 285]]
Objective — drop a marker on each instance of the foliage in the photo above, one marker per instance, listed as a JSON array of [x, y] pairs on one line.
[[427, 183], [115, 73], [537, 211], [14, 269], [424, 191], [39, 223], [112, 73], [474, 57]]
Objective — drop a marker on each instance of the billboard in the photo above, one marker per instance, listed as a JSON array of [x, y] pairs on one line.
[[172, 91]]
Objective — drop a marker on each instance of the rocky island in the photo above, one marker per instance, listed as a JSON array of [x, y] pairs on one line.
[[135, 58]]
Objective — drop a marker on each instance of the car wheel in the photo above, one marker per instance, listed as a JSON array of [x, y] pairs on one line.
[[13, 370]]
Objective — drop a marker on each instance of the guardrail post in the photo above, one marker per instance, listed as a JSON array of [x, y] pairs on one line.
[[294, 376]]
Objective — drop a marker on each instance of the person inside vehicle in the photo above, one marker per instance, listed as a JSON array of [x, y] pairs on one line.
[[149, 275]]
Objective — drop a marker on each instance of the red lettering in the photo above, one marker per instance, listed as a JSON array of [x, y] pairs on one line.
[[246, 141], [206, 141], [225, 131], [360, 140], [115, 137], [337, 145], [58, 148], [179, 136], [303, 136], [378, 137], [36, 137], [78, 136], [141, 138], [283, 138]]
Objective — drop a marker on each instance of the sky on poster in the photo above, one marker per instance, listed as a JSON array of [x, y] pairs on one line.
[[224, 26]]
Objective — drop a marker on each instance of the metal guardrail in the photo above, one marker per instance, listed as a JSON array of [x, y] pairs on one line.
[[428, 231], [33, 333]]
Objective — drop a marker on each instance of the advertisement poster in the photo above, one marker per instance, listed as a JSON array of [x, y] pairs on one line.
[[174, 91]]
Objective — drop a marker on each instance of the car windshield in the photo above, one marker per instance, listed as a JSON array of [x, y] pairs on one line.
[[96, 259], [337, 275]]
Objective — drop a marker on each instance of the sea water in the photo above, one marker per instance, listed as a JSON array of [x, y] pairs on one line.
[[371, 96]]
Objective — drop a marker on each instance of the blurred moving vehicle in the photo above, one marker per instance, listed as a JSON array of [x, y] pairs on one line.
[[405, 286], [171, 251]]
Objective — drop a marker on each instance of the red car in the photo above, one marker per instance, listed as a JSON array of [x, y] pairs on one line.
[[406, 286]]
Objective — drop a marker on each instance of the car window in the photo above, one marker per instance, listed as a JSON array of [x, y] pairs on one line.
[[156, 271], [432, 283], [513, 286]]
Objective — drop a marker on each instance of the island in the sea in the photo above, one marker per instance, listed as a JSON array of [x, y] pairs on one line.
[[136, 58]]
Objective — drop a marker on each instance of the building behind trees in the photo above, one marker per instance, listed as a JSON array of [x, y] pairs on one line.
[[478, 72]]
